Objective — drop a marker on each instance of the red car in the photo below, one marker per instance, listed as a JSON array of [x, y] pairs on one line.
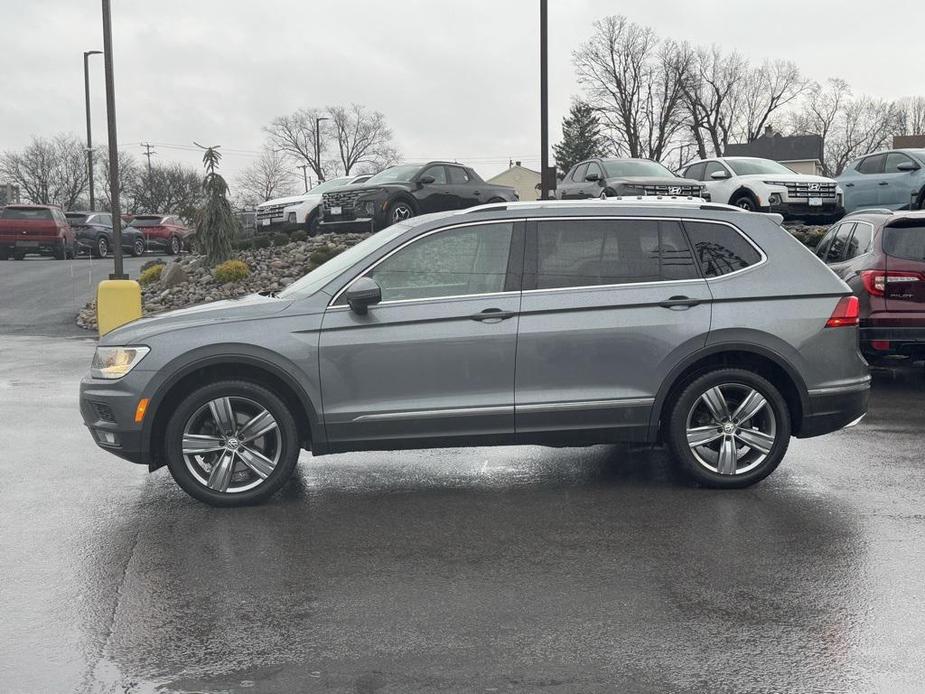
[[881, 255], [162, 232], [36, 229]]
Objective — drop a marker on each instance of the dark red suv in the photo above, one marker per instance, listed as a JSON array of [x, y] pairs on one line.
[[881, 255], [36, 229], [162, 232]]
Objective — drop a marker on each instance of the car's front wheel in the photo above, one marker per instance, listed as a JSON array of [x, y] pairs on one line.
[[399, 211], [729, 428], [746, 202], [138, 248], [231, 443], [174, 246], [101, 247], [311, 224]]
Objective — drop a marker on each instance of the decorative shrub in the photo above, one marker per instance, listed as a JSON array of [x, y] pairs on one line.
[[280, 239], [231, 271], [810, 236], [262, 242], [323, 254], [298, 236], [152, 274], [243, 244], [152, 263]]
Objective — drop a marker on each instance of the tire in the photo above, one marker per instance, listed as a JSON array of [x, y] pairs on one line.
[[745, 201], [311, 224], [725, 460], [920, 204], [101, 247], [238, 483], [138, 248], [60, 252], [19, 255], [174, 246], [4, 253], [399, 211]]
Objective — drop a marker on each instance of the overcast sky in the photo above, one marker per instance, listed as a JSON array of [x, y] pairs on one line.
[[456, 80]]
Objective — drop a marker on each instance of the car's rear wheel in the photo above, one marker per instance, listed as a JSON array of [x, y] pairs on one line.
[[729, 428], [101, 247], [174, 246], [231, 443], [399, 211], [19, 255], [4, 253], [60, 252]]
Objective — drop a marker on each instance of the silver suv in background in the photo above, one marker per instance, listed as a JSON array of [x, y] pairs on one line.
[[689, 324]]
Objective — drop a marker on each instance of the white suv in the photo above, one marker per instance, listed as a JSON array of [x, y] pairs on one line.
[[767, 186], [299, 211]]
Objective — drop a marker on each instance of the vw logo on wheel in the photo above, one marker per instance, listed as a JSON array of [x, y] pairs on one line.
[[674, 190]]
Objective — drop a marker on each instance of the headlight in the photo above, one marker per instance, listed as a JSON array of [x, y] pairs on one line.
[[115, 362], [633, 189]]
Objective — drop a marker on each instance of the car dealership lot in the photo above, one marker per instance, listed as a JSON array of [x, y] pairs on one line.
[[508, 569]]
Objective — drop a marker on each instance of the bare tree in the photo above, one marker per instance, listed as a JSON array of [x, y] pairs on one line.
[[270, 176], [49, 171], [295, 135], [713, 90], [172, 188], [129, 183], [635, 83], [910, 115], [769, 88], [363, 138]]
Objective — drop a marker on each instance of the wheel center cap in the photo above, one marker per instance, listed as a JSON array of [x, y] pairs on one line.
[[728, 428], [232, 443]]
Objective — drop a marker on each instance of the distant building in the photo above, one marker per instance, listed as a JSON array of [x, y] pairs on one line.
[[9, 194], [525, 181], [801, 153], [909, 142]]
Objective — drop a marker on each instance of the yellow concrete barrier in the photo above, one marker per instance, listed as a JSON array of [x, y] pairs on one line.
[[117, 302]]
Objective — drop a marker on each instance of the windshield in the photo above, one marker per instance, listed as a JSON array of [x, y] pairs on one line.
[[327, 185], [321, 275], [146, 222], [26, 213], [747, 167], [620, 169], [395, 174]]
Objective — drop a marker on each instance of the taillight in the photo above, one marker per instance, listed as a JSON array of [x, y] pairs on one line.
[[846, 313], [875, 281]]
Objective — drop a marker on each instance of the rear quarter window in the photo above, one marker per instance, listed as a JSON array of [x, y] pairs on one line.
[[720, 249], [905, 242]]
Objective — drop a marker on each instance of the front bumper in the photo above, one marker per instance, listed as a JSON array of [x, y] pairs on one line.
[[108, 407], [347, 226], [828, 208], [277, 225], [831, 409]]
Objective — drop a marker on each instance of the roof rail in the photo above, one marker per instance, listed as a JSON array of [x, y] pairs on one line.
[[638, 201], [869, 210]]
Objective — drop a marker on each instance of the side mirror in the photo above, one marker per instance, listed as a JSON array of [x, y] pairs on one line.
[[362, 294], [907, 166], [426, 180], [593, 177], [719, 175]]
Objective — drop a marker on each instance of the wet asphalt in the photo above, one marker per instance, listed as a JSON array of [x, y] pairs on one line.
[[507, 569]]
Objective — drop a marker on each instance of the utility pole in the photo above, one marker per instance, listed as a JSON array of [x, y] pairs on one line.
[[304, 168], [148, 153], [87, 54], [544, 105], [318, 147], [113, 145]]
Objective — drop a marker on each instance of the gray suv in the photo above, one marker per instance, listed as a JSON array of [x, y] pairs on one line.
[[697, 326]]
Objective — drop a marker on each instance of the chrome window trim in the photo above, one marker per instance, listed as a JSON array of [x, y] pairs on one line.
[[372, 266]]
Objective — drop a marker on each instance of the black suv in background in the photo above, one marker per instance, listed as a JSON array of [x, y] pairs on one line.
[[606, 178], [94, 234], [404, 191]]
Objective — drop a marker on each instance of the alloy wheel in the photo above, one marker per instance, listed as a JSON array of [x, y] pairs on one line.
[[745, 204], [102, 247], [174, 245], [731, 429], [231, 444], [400, 212]]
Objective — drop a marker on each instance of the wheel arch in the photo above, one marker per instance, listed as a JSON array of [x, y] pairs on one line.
[[208, 369], [403, 196], [761, 360], [744, 190]]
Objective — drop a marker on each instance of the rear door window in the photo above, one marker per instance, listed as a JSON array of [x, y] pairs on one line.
[[872, 165], [905, 242], [859, 243], [823, 246], [458, 175], [839, 243], [720, 249], [587, 253]]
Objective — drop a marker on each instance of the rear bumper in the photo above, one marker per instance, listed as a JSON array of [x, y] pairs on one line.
[[886, 341], [831, 409], [31, 244]]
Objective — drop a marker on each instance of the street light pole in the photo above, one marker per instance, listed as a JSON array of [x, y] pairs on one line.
[[544, 106], [118, 274], [318, 147], [87, 54], [304, 168]]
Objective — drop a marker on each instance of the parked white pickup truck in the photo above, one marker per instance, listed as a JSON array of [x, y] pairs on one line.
[[763, 185], [299, 211]]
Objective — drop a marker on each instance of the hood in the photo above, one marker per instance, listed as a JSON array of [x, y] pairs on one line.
[[291, 200], [656, 180], [361, 188], [245, 308], [787, 178]]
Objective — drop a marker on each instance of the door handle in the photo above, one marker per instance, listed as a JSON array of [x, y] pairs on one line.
[[492, 315], [476, 193], [883, 183], [849, 185], [680, 302]]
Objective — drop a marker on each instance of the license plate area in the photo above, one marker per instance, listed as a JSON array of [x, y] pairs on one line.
[[336, 210], [27, 244], [815, 202]]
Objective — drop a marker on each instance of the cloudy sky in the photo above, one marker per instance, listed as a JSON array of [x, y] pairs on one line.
[[455, 80]]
